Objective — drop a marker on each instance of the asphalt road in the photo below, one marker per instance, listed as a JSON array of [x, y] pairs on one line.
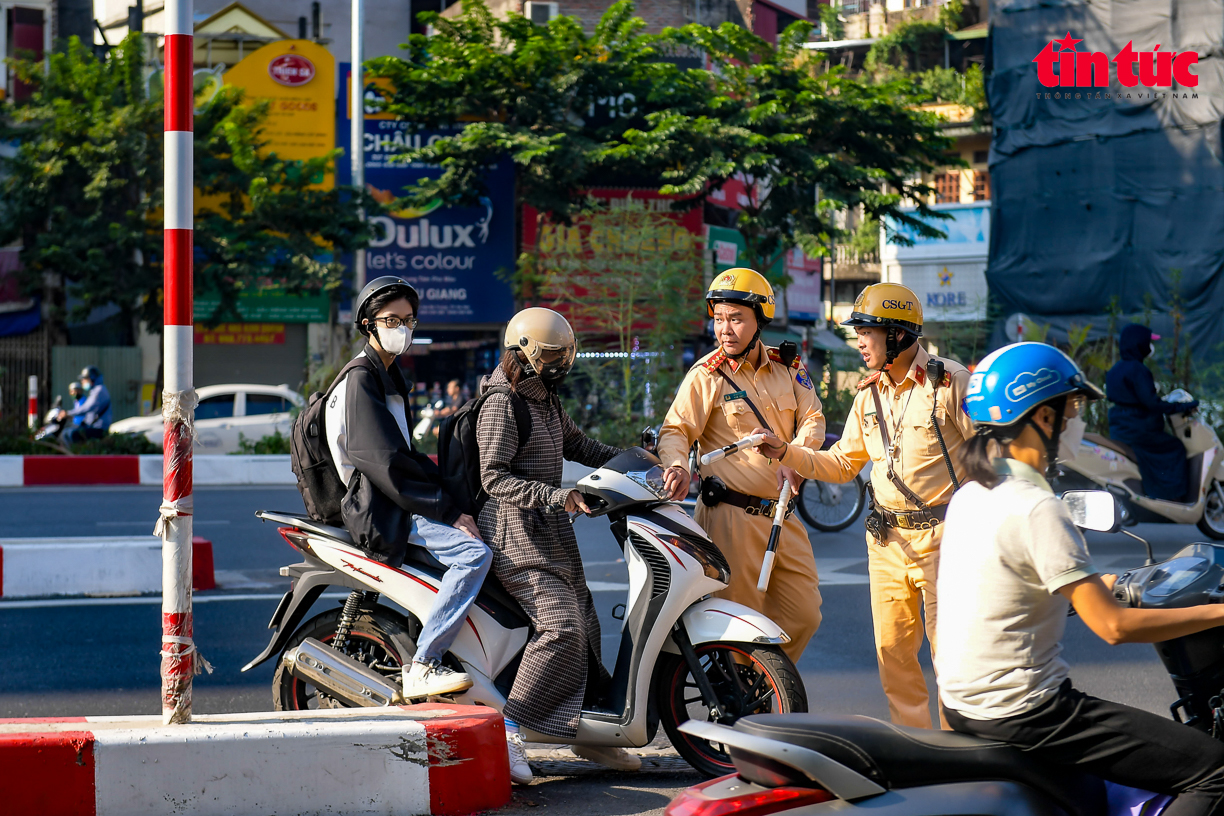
[[72, 657]]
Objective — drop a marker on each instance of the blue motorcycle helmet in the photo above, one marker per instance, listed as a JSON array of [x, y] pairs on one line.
[[1008, 385]]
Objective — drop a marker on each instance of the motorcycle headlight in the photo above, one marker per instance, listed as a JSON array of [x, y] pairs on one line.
[[652, 480]]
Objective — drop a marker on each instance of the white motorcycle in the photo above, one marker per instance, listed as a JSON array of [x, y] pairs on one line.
[[682, 655], [1103, 463]]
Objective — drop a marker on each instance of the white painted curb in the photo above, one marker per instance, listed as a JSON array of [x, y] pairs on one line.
[[12, 471], [409, 761], [95, 566], [214, 469], [35, 567]]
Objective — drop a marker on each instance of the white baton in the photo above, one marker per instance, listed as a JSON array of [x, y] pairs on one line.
[[775, 532], [734, 447]]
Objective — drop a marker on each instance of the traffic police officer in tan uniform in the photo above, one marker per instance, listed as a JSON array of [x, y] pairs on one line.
[[896, 422], [718, 404]]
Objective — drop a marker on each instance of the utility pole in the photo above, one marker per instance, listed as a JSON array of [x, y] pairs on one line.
[[178, 397], [357, 129]]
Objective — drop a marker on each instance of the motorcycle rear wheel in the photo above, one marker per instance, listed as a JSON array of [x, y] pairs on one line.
[[1212, 522], [380, 638], [748, 680]]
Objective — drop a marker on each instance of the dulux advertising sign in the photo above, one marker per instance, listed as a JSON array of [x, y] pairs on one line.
[[452, 255]]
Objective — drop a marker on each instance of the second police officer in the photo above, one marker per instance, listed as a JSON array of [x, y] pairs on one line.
[[742, 385], [910, 426]]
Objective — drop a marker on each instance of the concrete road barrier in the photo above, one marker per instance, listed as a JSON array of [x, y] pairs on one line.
[[424, 759], [209, 469], [38, 567]]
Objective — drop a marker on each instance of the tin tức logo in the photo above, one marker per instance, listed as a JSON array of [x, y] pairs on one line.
[[1087, 69]]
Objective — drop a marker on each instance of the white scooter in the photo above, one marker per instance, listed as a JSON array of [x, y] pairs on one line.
[[682, 653], [1103, 463]]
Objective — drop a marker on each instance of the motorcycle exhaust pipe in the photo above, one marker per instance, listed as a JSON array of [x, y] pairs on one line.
[[340, 676]]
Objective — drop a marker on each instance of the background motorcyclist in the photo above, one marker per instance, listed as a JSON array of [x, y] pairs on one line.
[[535, 553], [94, 411], [724, 397], [1012, 560], [395, 498], [1136, 417]]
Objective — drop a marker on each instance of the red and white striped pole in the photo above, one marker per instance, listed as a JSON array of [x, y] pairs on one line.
[[178, 398], [32, 413]]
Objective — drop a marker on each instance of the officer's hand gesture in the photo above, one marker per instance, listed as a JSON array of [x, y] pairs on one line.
[[771, 448]]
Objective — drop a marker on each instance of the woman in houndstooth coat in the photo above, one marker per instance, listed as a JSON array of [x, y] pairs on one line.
[[535, 554]]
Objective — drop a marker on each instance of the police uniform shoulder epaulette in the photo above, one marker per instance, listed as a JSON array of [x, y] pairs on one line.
[[867, 381], [717, 359], [776, 356]]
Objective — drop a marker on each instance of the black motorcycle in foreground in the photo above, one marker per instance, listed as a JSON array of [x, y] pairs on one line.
[[811, 764]]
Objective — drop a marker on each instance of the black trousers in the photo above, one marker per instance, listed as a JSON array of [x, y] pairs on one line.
[[1117, 743]]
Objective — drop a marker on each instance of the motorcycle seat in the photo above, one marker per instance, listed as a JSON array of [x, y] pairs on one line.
[[895, 756], [493, 597], [1111, 444]]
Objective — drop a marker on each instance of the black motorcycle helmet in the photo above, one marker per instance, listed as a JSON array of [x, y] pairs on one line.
[[380, 286]]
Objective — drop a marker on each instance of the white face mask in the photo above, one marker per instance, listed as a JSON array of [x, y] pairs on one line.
[[394, 341], [1071, 437]]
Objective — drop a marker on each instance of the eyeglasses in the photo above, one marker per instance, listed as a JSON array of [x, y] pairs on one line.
[[1075, 405], [393, 322]]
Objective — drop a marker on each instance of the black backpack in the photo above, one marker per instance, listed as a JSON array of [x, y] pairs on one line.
[[310, 455], [459, 453]]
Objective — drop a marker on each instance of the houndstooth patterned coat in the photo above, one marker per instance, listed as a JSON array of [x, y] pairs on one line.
[[535, 554]]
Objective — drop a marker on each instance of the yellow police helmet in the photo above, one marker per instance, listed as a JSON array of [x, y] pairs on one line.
[[746, 286], [887, 304]]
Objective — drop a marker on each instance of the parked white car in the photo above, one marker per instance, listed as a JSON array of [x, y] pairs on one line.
[[224, 412]]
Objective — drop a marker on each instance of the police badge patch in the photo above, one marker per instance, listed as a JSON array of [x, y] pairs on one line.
[[803, 379]]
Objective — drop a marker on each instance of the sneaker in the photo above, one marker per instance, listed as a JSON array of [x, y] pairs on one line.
[[617, 759], [428, 679], [520, 771]]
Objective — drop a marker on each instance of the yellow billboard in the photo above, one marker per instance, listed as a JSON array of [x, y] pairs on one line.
[[298, 78]]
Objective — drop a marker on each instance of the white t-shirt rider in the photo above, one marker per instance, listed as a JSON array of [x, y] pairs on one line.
[[1005, 554]]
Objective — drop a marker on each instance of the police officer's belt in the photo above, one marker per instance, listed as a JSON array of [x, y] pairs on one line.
[[914, 519], [714, 491]]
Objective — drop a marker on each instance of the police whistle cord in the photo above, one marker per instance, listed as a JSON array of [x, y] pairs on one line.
[[734, 447], [775, 532]]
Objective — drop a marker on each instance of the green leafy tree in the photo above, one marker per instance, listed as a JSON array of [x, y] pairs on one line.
[[83, 194], [830, 20], [551, 97], [789, 126]]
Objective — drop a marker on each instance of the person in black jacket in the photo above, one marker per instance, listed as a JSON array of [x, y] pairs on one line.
[[395, 498], [1137, 417]]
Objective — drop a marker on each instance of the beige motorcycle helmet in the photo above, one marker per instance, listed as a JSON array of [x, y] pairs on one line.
[[545, 339]]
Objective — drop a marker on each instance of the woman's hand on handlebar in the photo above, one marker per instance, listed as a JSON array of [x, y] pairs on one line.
[[772, 447], [676, 479], [467, 524], [574, 503]]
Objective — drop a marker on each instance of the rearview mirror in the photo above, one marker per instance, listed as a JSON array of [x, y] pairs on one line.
[[1093, 510], [650, 439]]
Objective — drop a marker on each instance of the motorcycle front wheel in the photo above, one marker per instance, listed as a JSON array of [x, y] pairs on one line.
[[380, 638], [1212, 522], [747, 680], [832, 507]]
